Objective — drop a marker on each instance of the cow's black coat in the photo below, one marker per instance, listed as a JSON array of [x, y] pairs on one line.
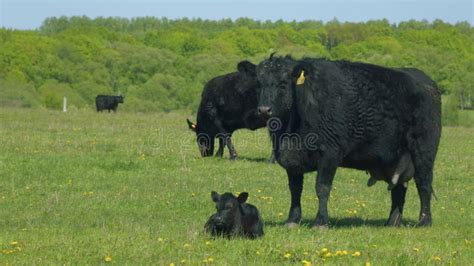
[[352, 115], [228, 102], [234, 217], [107, 102]]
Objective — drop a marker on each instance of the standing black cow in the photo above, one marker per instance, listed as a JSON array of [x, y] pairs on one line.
[[337, 113], [228, 102], [108, 102]]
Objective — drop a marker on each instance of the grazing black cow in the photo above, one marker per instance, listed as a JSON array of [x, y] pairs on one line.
[[228, 102], [108, 102], [234, 217], [328, 114]]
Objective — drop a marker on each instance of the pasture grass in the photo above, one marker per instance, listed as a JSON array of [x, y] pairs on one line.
[[88, 188]]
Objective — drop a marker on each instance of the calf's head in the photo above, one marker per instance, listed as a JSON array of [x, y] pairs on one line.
[[229, 210]]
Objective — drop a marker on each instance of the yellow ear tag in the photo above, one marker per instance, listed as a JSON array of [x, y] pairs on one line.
[[300, 80], [193, 126]]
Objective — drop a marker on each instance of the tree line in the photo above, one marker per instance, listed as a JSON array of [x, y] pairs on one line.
[[161, 64]]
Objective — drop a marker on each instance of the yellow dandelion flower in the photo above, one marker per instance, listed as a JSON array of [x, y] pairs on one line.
[[160, 239], [437, 258], [108, 258], [280, 214], [467, 242], [186, 246], [416, 249], [327, 255], [305, 253], [257, 253], [367, 263], [324, 250], [193, 194], [287, 255], [259, 191], [183, 261], [344, 252], [171, 264], [208, 242], [14, 243], [306, 263], [356, 254], [210, 260]]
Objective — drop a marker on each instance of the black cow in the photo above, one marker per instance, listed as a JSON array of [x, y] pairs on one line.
[[234, 217], [108, 102], [361, 116], [228, 102]]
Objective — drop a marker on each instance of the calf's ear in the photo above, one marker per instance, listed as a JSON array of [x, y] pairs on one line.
[[242, 198], [215, 196], [191, 125], [247, 67]]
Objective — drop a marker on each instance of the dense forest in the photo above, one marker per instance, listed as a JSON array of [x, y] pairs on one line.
[[162, 65]]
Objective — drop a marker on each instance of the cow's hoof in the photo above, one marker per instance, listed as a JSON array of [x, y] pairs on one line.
[[394, 220], [425, 220], [323, 227], [292, 225]]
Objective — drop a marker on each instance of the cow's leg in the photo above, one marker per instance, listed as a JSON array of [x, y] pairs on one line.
[[424, 179], [220, 151], [295, 183], [326, 172], [230, 146], [398, 201], [227, 138], [423, 154]]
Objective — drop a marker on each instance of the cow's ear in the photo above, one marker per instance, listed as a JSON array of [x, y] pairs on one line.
[[242, 198], [191, 125], [246, 67], [215, 196], [299, 74]]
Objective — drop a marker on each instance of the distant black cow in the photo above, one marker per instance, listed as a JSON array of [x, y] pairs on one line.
[[234, 217], [337, 113], [228, 102], [109, 102]]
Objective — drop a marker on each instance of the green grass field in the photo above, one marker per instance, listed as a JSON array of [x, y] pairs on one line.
[[87, 188]]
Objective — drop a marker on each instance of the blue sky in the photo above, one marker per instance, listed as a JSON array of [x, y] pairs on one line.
[[28, 14]]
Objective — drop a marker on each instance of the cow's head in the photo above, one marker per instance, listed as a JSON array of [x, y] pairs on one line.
[[120, 98], [228, 208], [279, 77], [205, 141]]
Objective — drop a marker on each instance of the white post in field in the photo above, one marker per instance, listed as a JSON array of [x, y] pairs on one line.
[[65, 104]]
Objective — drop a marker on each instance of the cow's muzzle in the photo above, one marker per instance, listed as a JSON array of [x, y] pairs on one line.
[[265, 110]]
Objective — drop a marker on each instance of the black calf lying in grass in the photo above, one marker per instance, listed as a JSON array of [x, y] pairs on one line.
[[234, 217]]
